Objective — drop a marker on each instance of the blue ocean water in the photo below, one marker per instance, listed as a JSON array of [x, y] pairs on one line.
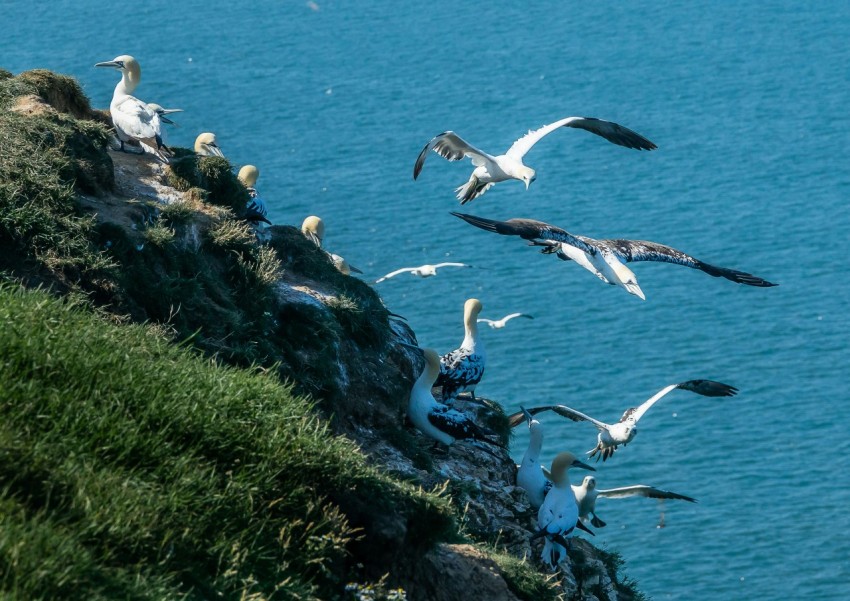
[[747, 102]]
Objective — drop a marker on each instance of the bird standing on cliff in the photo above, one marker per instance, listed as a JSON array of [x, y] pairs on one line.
[[132, 118], [462, 369], [529, 476], [557, 517], [587, 493], [491, 169], [498, 324], [623, 432], [605, 258], [423, 271], [255, 209], [207, 146], [314, 229]]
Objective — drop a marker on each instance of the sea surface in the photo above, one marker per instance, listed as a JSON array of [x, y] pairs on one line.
[[748, 103]]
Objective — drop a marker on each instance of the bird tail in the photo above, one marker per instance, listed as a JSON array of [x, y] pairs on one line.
[[740, 277], [471, 190], [154, 149]]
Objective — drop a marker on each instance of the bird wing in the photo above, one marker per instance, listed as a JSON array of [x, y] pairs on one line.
[[392, 274], [530, 229], [438, 265], [631, 251], [460, 367], [451, 147], [642, 490], [484, 320], [454, 423], [703, 387], [614, 133], [134, 118], [635, 413], [507, 318], [517, 418]]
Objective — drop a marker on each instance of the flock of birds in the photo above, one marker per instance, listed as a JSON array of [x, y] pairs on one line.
[[561, 506]]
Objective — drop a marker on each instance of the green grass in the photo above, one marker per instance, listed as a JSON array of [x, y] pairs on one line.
[[133, 468]]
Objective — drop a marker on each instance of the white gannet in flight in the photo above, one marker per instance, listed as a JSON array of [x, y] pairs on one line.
[[529, 476], [491, 169], [132, 118], [314, 229], [423, 271], [558, 515], [587, 493], [461, 369], [612, 436], [498, 324], [437, 420], [255, 209], [606, 258], [206, 146]]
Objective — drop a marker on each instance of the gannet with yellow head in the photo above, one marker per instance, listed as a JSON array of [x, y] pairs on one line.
[[437, 420], [461, 369], [587, 493], [314, 229], [206, 146], [557, 517], [132, 118], [491, 169], [255, 209]]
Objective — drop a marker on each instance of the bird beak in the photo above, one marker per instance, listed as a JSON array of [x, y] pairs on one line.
[[169, 111], [635, 289], [113, 64], [165, 119], [527, 183], [527, 415], [354, 269], [215, 150], [583, 466]]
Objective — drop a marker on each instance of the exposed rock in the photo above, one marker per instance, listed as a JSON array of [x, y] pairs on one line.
[[452, 572]]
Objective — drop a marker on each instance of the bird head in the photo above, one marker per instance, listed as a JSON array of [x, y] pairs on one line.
[[589, 482], [314, 228], [206, 146], [248, 175], [432, 364], [528, 176], [124, 63], [628, 279], [562, 464]]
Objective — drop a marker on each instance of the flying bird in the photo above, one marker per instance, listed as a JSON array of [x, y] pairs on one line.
[[498, 324], [255, 208], [462, 369], [491, 169], [623, 432], [313, 229], [423, 271], [587, 493], [207, 146], [605, 258]]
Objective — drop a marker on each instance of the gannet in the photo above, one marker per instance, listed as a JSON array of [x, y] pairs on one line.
[[462, 368], [498, 324], [437, 420], [132, 118], [423, 271], [587, 493], [491, 169], [314, 229], [206, 146], [606, 258], [529, 476], [255, 209], [558, 515], [161, 112], [613, 435]]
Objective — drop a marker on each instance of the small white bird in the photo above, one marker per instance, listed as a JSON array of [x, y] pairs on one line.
[[587, 493], [132, 118], [605, 258], [491, 169], [529, 476], [314, 229], [255, 209], [557, 517], [206, 146], [423, 271], [498, 324], [437, 420], [462, 369], [623, 432]]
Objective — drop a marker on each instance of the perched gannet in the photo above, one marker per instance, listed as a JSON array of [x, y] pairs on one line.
[[498, 324], [491, 169], [613, 435], [587, 493], [437, 420], [423, 271], [461, 370], [605, 258], [529, 476], [205, 146], [314, 229], [558, 515], [132, 118], [255, 209]]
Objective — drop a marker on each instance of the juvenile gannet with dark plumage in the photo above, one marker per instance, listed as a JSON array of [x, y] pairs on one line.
[[314, 229], [423, 271], [557, 517], [498, 324], [529, 476], [255, 209], [491, 169], [612, 436], [587, 493], [207, 146], [437, 420], [461, 369], [605, 258], [132, 118]]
